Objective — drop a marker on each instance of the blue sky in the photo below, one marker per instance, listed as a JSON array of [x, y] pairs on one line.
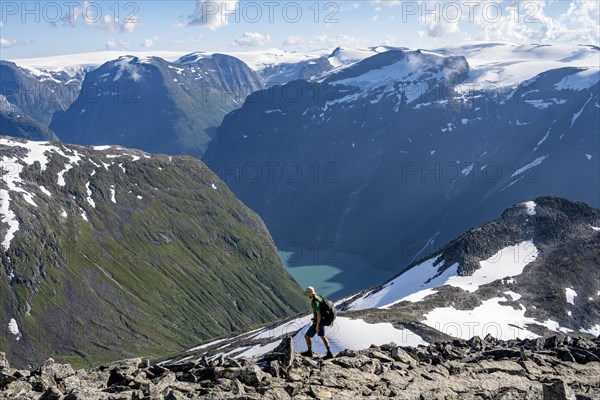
[[34, 28]]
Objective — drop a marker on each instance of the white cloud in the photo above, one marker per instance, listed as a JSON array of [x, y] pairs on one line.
[[115, 44], [91, 14], [529, 22], [251, 39], [443, 29], [391, 41], [293, 41], [6, 43], [389, 3], [212, 14], [189, 40], [149, 42], [350, 7], [336, 41]]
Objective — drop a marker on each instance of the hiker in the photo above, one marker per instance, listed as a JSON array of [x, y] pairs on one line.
[[316, 327]]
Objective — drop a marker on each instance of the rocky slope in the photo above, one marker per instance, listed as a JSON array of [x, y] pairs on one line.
[[108, 253], [155, 105], [405, 150], [531, 273], [555, 368]]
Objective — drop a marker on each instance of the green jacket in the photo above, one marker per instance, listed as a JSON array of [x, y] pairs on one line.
[[316, 304]]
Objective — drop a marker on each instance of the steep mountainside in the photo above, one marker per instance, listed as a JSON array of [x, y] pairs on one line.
[[154, 105], [19, 125], [108, 252], [407, 149], [39, 93], [533, 272], [14, 122]]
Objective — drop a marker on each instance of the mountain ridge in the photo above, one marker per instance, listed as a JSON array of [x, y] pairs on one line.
[[110, 252]]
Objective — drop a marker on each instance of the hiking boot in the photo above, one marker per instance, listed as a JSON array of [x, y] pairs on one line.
[[307, 353], [328, 356]]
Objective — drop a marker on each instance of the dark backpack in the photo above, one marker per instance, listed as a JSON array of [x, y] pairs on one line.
[[328, 311]]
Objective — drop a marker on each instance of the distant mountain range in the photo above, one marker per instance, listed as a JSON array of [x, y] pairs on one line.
[[107, 253], [398, 150], [398, 153], [154, 105], [165, 102]]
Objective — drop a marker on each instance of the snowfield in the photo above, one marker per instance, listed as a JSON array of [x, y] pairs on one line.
[[31, 152], [501, 321], [422, 280], [509, 64]]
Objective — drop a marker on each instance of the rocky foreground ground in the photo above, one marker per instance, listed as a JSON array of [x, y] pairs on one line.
[[554, 368]]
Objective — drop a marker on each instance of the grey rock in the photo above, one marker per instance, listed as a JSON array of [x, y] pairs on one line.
[[227, 373], [4, 364], [57, 372], [557, 391], [5, 379], [252, 375], [275, 368], [16, 388], [52, 394], [400, 355]]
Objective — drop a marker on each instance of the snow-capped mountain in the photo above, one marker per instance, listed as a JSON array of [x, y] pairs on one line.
[[280, 73], [524, 275], [154, 105], [39, 93], [402, 151], [109, 252]]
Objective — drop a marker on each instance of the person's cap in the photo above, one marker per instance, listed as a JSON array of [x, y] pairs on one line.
[[310, 291]]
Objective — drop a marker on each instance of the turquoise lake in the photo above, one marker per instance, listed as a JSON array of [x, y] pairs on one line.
[[332, 275]]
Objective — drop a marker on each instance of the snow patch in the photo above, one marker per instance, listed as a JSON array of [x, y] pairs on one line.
[[508, 262], [356, 334], [89, 195], [420, 281], [543, 104], [571, 294], [594, 330], [126, 66], [259, 350], [13, 328], [578, 113], [45, 191], [530, 205], [581, 80], [502, 322], [113, 194], [514, 296], [206, 345], [532, 164]]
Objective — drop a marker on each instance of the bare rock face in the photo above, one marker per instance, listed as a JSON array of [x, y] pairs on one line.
[[476, 369]]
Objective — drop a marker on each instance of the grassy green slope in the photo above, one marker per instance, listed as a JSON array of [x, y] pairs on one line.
[[145, 276]]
